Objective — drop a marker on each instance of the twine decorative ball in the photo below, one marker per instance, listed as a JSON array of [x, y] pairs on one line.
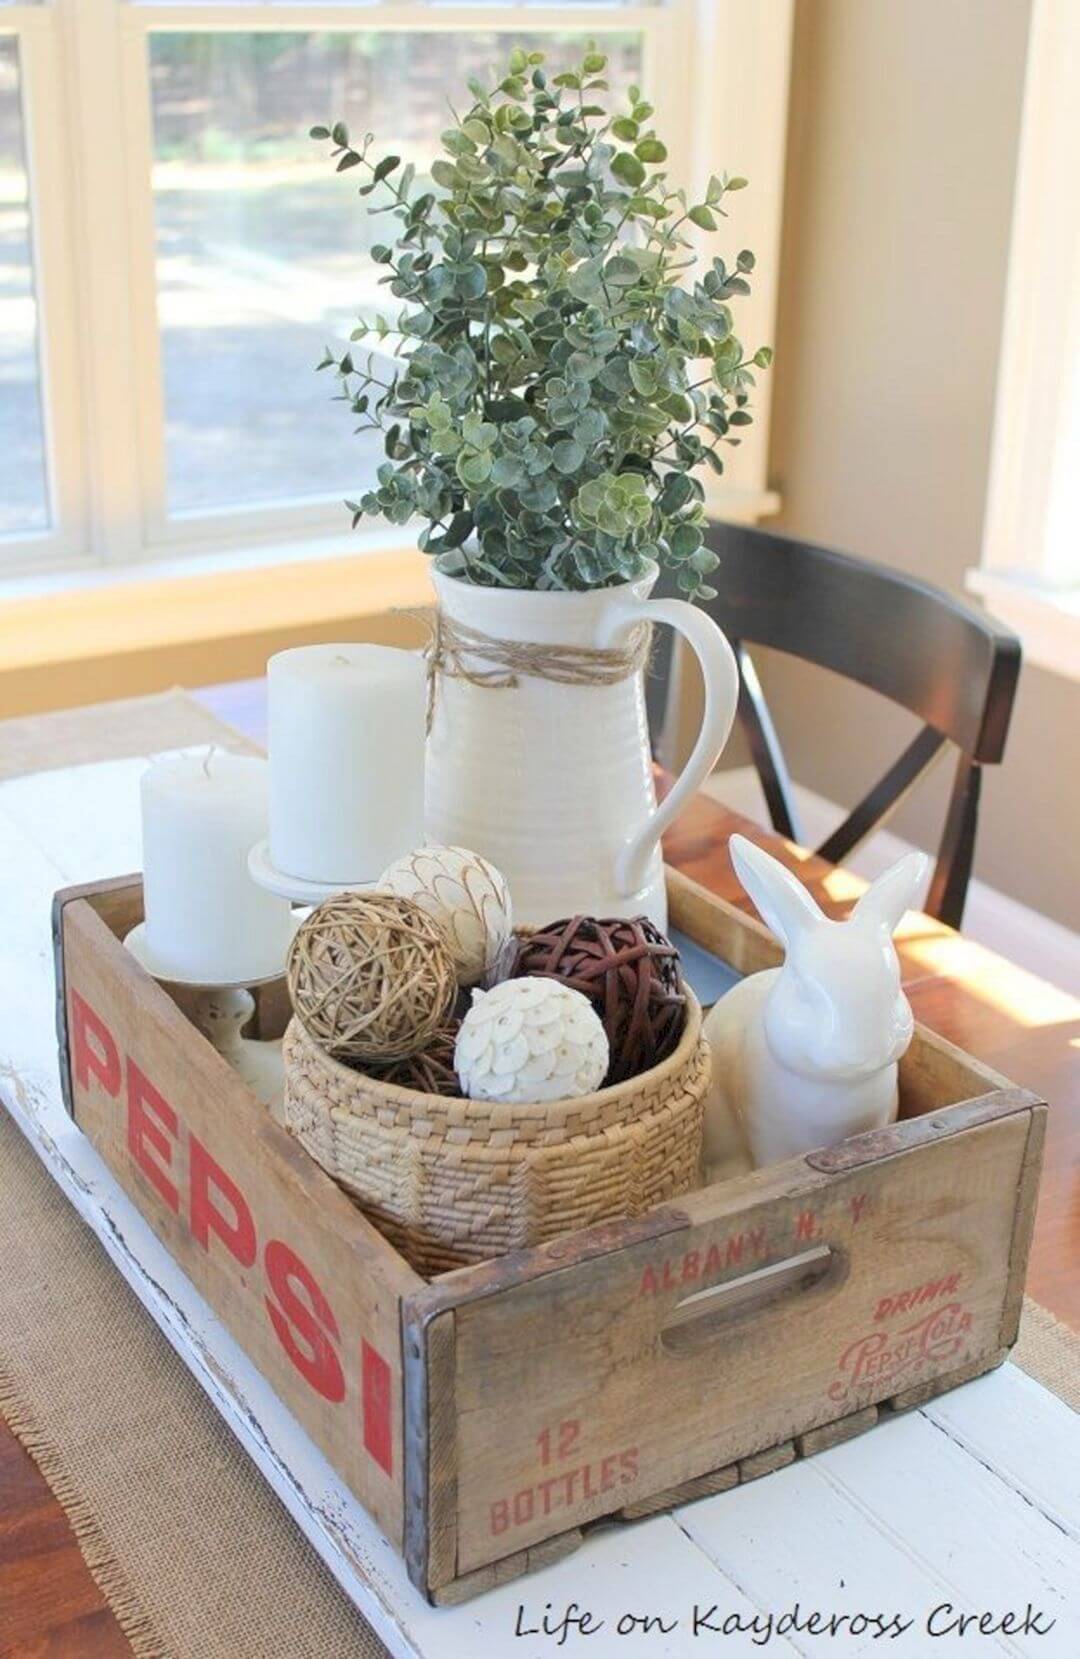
[[630, 973], [464, 892], [370, 976], [430, 1070], [530, 1040]]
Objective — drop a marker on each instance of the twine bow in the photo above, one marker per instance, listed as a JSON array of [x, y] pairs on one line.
[[498, 664]]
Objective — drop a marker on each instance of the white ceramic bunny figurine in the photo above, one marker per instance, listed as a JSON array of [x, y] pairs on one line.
[[806, 1054]]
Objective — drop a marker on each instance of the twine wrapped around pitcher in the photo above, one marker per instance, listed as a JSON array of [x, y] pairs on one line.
[[453, 1181], [463, 653]]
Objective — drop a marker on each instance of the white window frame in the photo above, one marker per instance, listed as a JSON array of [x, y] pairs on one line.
[[90, 155], [41, 73], [1029, 574]]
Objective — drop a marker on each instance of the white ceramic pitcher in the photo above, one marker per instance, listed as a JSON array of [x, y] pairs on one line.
[[554, 782]]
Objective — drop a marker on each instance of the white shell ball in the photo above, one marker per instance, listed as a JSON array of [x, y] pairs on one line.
[[466, 894], [530, 1039]]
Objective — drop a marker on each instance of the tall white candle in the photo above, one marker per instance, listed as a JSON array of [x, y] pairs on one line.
[[346, 760], [206, 921]]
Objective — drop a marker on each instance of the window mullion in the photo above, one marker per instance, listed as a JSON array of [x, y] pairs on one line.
[[57, 355], [101, 146], [737, 93]]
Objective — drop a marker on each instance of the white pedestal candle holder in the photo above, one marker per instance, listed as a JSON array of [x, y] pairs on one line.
[[298, 889], [220, 1012]]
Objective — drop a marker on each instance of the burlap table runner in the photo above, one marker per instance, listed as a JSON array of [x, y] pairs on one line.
[[109, 731], [1050, 1352], [193, 1551]]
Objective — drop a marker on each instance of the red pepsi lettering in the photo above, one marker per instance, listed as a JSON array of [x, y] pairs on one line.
[[146, 1141], [236, 1232], [304, 1328], [100, 1058], [375, 1389]]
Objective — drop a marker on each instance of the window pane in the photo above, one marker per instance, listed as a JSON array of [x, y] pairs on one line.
[[262, 249], [23, 491]]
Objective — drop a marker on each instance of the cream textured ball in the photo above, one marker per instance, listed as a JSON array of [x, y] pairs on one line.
[[466, 894], [530, 1040], [371, 977]]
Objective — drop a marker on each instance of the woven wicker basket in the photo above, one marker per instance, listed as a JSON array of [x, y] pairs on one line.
[[456, 1181]]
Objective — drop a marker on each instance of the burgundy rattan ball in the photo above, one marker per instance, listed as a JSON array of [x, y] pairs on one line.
[[431, 1071], [630, 973]]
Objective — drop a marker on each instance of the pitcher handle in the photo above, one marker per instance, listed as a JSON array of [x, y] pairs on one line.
[[721, 675]]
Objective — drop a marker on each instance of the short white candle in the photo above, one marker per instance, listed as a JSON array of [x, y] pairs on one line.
[[346, 729], [206, 921]]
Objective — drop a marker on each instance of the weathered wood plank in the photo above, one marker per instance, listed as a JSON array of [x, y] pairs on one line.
[[994, 1550], [767, 1461], [303, 1281], [1009, 1423], [1027, 1197], [704, 1486], [571, 1404], [919, 1393], [836, 1432]]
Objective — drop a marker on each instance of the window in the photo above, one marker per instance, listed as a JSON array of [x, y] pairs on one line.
[[24, 496], [1030, 571], [175, 252]]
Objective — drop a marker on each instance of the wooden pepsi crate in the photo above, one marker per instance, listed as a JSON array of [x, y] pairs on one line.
[[489, 1417]]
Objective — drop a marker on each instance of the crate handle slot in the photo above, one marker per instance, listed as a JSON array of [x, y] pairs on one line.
[[698, 1318]]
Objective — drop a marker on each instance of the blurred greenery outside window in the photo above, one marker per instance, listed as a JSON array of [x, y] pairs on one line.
[[262, 254]]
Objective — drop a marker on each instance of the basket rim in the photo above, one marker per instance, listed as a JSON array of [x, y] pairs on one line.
[[550, 1111]]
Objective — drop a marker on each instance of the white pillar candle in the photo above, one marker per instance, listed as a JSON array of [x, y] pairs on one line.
[[346, 760], [206, 920]]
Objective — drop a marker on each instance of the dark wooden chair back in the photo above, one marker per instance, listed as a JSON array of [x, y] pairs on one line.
[[953, 667]]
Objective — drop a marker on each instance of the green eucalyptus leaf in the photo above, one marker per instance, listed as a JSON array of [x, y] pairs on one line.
[[685, 540], [677, 492], [643, 378], [569, 455], [590, 426], [470, 281], [444, 173], [473, 467], [628, 169], [622, 271], [506, 471]]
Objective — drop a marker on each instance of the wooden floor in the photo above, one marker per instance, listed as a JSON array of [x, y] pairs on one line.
[[49, 1604]]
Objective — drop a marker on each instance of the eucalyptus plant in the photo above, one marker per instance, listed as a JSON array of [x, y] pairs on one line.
[[558, 373]]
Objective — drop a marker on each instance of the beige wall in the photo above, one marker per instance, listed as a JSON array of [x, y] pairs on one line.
[[903, 141]]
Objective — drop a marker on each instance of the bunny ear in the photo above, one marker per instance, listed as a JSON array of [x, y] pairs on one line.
[[886, 899], [784, 903]]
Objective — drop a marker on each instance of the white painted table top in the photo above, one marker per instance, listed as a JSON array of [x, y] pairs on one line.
[[972, 1502]]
